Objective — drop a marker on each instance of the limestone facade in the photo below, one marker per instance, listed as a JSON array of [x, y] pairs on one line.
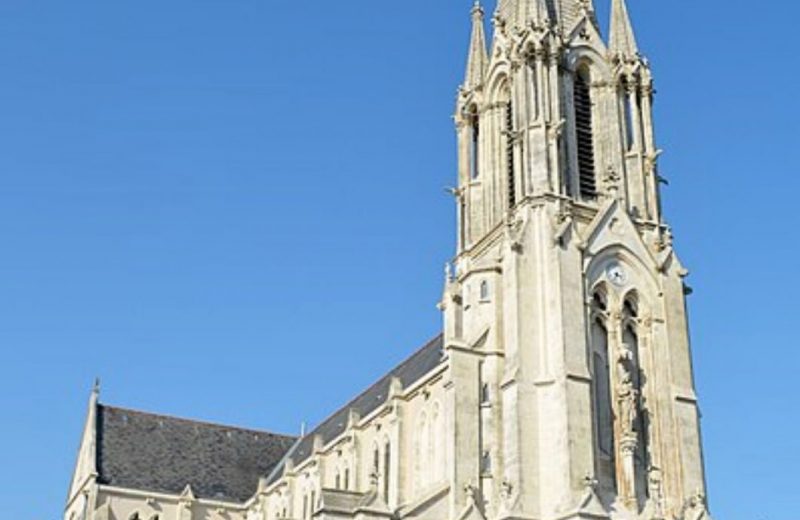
[[561, 386]]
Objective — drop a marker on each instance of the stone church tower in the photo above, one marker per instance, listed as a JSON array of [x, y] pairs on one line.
[[561, 386], [567, 298]]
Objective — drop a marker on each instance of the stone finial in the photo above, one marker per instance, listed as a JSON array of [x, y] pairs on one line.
[[187, 495]]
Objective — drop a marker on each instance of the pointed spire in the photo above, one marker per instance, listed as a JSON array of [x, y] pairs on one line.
[[478, 57], [622, 41]]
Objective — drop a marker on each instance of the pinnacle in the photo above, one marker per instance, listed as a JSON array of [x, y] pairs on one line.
[[478, 58], [622, 41]]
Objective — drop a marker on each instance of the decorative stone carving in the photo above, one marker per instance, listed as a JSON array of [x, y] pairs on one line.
[[627, 395], [655, 486], [611, 181], [696, 508]]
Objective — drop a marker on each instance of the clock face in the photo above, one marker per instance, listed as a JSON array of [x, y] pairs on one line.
[[617, 275]]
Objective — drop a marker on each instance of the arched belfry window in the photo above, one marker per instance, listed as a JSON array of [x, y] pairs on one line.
[[584, 134], [509, 142], [474, 142]]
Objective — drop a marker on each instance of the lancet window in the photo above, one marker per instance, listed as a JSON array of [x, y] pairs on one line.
[[474, 142], [584, 134]]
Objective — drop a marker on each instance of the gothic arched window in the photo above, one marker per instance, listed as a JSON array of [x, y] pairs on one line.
[[631, 307], [602, 391], [509, 142], [474, 142], [387, 466], [584, 134], [376, 461], [600, 300]]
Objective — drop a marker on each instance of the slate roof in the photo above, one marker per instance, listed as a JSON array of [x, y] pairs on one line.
[[148, 452], [408, 372]]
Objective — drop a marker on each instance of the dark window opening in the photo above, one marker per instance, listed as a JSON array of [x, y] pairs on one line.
[[387, 459], [474, 144], [584, 137], [510, 166]]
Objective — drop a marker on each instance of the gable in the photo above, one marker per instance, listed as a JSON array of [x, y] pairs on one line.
[[85, 464], [613, 228]]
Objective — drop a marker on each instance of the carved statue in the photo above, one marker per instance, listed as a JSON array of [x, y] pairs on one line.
[[627, 395], [655, 484], [696, 508]]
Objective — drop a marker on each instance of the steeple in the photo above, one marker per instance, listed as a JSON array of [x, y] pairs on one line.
[[478, 57], [622, 41]]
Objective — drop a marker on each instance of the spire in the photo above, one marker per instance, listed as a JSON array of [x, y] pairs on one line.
[[478, 58], [622, 40]]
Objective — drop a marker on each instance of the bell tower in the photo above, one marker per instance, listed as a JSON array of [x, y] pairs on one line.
[[566, 299]]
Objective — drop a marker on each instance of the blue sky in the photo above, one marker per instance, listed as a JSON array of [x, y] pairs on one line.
[[233, 210]]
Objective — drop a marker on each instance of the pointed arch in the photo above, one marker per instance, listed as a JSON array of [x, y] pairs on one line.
[[639, 267], [631, 304], [505, 116]]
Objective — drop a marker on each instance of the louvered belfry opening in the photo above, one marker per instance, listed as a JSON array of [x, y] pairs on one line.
[[512, 182], [474, 150], [584, 136]]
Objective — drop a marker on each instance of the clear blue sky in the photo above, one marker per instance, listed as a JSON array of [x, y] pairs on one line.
[[233, 210]]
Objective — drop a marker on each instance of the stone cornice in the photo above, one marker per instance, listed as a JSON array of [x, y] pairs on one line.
[[164, 497]]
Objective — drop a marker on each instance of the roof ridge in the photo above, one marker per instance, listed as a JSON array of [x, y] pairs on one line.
[[380, 380], [196, 421]]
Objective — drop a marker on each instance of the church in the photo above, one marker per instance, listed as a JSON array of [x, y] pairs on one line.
[[561, 386]]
